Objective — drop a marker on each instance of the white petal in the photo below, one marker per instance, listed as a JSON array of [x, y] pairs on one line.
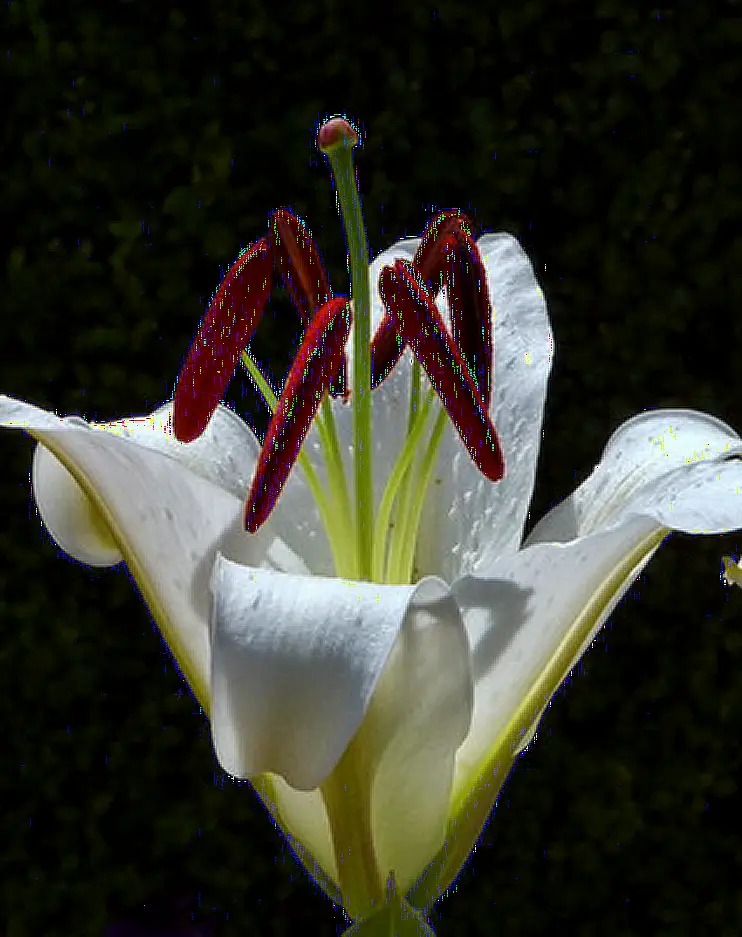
[[68, 514], [225, 454], [418, 717], [671, 465], [300, 653], [164, 519], [529, 619], [300, 665], [303, 818], [467, 517]]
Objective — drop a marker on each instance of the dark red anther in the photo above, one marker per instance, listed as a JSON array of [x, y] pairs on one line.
[[298, 261], [432, 262], [223, 334], [421, 326], [431, 254], [316, 363], [447, 256], [471, 311]]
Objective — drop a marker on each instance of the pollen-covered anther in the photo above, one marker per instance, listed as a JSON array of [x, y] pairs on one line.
[[298, 262], [421, 326], [315, 365], [447, 256], [225, 330]]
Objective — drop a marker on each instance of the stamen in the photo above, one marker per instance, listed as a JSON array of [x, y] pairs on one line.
[[225, 330], [430, 256], [421, 326], [471, 312], [447, 256], [298, 261], [316, 362]]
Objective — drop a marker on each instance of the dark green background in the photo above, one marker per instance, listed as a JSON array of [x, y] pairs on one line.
[[143, 146]]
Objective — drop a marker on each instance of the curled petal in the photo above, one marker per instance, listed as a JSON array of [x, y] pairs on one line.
[[330, 661], [224, 332], [316, 364], [422, 327], [143, 497]]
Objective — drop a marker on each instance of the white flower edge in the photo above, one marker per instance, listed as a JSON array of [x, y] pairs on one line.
[[129, 490], [662, 470]]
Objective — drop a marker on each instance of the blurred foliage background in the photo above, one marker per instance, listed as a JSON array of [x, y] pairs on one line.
[[143, 145]]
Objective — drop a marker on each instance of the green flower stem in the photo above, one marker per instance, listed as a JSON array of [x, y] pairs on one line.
[[336, 536], [341, 162]]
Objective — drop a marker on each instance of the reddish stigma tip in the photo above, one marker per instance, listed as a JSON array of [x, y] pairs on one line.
[[335, 132]]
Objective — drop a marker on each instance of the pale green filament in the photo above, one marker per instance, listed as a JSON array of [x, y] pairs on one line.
[[341, 161], [332, 520], [398, 484], [412, 521], [336, 481]]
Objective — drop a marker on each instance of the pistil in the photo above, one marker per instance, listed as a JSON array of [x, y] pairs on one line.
[[336, 139]]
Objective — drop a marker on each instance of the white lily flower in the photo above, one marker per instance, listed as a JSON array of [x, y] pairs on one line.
[[378, 720]]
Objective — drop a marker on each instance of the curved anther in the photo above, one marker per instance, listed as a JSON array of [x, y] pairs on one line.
[[319, 357], [297, 260], [469, 303], [447, 256], [431, 262], [430, 256], [225, 330], [410, 301]]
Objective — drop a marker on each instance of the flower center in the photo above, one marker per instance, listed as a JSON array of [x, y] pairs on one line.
[[457, 364]]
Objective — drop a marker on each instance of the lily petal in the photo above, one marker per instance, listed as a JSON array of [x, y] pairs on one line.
[[668, 464], [329, 661], [303, 653], [466, 516], [426, 692], [166, 520], [529, 616], [661, 471]]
